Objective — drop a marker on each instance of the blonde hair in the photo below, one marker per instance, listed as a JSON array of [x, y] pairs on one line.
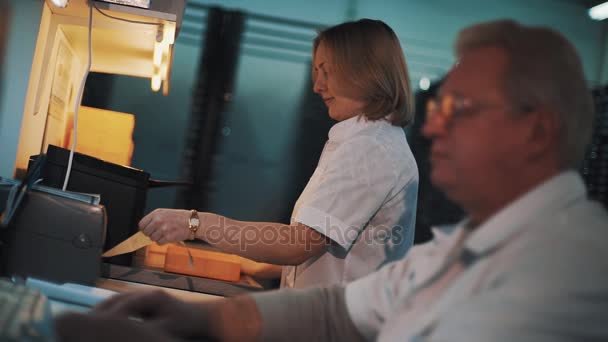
[[545, 70], [369, 61]]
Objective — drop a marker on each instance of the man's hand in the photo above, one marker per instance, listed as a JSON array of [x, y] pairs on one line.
[[92, 328], [145, 315], [158, 310], [157, 316]]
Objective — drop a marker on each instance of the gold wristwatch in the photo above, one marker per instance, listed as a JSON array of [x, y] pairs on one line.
[[193, 223]]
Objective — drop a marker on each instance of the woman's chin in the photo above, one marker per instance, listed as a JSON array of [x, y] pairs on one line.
[[334, 116], [340, 116]]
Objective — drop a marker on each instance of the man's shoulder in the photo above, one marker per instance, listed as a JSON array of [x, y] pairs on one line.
[[568, 244], [580, 222]]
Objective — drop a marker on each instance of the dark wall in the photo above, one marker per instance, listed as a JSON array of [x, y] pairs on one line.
[[256, 127], [434, 208]]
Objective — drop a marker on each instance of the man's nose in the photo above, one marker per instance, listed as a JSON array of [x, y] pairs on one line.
[[434, 126]]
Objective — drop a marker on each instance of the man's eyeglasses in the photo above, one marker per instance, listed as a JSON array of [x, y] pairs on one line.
[[447, 107], [451, 106]]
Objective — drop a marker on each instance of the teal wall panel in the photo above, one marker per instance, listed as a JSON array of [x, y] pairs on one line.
[[15, 72]]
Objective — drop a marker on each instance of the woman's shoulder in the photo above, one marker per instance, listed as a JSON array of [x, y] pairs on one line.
[[381, 132], [382, 146]]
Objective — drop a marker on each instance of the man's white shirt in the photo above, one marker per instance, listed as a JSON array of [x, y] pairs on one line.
[[536, 270]]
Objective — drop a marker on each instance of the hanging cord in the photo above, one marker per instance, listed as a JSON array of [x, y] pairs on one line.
[[92, 5], [123, 19], [79, 99]]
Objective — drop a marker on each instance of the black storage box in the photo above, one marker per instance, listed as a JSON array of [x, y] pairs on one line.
[[123, 191], [52, 237]]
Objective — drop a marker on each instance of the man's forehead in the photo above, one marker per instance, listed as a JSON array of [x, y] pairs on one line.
[[475, 71]]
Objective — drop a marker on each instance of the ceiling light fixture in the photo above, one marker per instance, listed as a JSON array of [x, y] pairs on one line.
[[599, 12], [425, 83]]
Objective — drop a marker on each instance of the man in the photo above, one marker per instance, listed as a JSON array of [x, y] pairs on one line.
[[508, 129]]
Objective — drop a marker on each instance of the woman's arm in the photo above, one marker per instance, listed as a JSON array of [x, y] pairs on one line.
[[260, 270], [266, 242]]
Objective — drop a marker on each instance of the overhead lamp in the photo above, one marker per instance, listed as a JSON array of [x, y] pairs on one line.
[[158, 54], [165, 37], [599, 12], [60, 3], [425, 83], [169, 33], [156, 82]]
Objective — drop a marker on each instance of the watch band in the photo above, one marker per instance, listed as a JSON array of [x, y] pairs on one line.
[[193, 224]]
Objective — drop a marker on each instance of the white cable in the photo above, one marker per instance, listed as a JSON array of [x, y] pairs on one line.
[[123, 19], [79, 98]]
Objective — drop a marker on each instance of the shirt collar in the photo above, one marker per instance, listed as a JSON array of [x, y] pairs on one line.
[[552, 194], [350, 127]]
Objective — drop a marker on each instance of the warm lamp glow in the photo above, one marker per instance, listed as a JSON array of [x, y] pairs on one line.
[[104, 134]]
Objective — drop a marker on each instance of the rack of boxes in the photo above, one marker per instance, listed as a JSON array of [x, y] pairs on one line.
[[595, 165]]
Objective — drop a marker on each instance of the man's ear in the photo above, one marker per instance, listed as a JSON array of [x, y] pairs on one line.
[[543, 133]]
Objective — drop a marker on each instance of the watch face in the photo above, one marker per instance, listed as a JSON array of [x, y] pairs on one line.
[[194, 222]]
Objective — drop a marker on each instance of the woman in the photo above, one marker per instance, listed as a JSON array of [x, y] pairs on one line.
[[357, 211]]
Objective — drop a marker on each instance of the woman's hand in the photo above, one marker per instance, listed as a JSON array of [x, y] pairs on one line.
[[166, 225]]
